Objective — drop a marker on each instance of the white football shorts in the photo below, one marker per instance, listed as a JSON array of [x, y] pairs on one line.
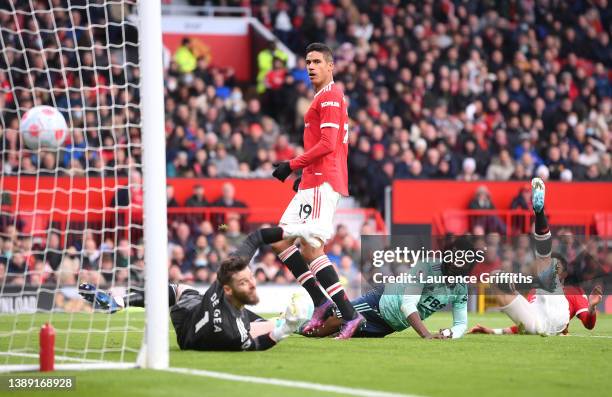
[[547, 314], [310, 214]]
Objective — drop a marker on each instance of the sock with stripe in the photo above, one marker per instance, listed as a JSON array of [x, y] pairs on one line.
[[325, 273], [293, 259], [542, 236]]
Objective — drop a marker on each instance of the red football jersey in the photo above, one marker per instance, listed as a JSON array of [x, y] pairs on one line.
[[325, 141], [578, 306], [576, 297]]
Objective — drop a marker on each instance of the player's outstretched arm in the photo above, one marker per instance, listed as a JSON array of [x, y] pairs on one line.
[[460, 319], [409, 309], [415, 322], [481, 329], [589, 317]]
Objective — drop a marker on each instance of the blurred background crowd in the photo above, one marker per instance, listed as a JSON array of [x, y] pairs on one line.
[[437, 89]]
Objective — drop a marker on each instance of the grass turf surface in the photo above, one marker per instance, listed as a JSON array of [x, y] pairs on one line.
[[401, 363]]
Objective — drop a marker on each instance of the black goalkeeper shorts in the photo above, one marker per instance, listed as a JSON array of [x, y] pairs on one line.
[[182, 312]]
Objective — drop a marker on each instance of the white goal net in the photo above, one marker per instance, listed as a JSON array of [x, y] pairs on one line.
[[72, 212]]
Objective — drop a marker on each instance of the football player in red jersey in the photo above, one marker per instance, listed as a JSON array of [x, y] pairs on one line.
[[324, 179], [549, 310], [579, 306]]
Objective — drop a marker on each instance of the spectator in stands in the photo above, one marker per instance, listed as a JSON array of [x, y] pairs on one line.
[[184, 240], [131, 195], [179, 167], [467, 82], [501, 167], [17, 269], [207, 230], [202, 246], [349, 275], [170, 200], [200, 270], [225, 163], [227, 199], [274, 82], [53, 250], [184, 57], [269, 270], [49, 165], [220, 247], [107, 267], [91, 255], [335, 253], [123, 253], [265, 60], [283, 149], [522, 201], [174, 273], [468, 170], [197, 199], [233, 234], [482, 201], [69, 267], [178, 259]]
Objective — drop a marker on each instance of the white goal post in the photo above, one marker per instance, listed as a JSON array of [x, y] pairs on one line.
[[94, 209], [155, 219]]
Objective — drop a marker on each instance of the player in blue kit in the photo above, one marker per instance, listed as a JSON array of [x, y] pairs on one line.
[[395, 307]]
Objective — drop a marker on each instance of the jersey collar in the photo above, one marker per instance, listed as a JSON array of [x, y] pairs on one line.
[[324, 88]]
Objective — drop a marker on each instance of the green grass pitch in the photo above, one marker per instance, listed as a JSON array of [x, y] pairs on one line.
[[401, 363]]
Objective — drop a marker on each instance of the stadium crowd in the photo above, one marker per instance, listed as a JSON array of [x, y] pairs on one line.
[[468, 90], [195, 253]]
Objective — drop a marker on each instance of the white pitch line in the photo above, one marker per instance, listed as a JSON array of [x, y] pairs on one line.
[[288, 383], [591, 336], [61, 358]]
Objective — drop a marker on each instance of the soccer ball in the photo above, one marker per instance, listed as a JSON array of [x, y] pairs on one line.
[[299, 311], [43, 126]]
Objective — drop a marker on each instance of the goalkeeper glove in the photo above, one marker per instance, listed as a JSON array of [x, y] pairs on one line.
[[282, 171], [296, 184], [282, 330]]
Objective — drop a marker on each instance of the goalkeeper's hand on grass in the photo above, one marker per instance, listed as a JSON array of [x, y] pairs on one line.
[[282, 170]]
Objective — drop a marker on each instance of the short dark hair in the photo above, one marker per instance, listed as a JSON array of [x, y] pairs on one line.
[[323, 49], [229, 267], [560, 260]]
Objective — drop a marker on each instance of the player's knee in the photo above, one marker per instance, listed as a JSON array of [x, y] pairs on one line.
[[309, 252]]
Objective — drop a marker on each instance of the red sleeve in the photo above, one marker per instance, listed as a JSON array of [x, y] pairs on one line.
[[330, 114], [579, 305], [588, 319], [327, 144]]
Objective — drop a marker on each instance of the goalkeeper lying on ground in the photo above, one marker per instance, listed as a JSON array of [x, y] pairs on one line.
[[216, 320]]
